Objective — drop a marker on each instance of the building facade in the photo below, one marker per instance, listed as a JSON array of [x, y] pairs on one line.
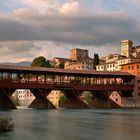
[[134, 68], [113, 62], [25, 97], [54, 97], [80, 60], [130, 55], [126, 48]]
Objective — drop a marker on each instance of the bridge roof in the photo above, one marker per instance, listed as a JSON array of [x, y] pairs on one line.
[[43, 70]]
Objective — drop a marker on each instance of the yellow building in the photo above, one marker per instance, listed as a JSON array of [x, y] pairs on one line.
[[54, 97]]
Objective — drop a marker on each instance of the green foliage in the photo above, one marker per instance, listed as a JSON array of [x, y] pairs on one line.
[[15, 100], [6, 124], [62, 99], [40, 62], [88, 98], [95, 61]]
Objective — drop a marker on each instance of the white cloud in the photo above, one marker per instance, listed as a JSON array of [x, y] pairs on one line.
[[42, 6], [71, 8]]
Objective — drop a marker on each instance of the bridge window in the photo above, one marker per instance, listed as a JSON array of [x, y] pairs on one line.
[[116, 99]]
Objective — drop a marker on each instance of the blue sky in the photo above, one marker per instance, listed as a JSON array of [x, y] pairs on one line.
[[29, 28]]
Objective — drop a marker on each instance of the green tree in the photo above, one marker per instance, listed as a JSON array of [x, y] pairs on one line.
[[88, 99], [15, 100], [40, 62], [62, 99], [6, 124], [95, 61]]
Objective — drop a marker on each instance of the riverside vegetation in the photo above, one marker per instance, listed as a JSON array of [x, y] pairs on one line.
[[6, 124]]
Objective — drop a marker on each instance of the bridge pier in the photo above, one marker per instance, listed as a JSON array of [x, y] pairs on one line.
[[5, 101], [41, 101], [73, 102], [101, 100]]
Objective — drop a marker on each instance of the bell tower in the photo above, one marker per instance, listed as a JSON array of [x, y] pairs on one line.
[[126, 47]]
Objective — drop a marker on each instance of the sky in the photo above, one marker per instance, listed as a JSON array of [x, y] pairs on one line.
[[50, 28]]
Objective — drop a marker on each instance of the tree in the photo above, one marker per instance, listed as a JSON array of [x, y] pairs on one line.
[[41, 62], [15, 100], [62, 99], [88, 97], [6, 124], [95, 61]]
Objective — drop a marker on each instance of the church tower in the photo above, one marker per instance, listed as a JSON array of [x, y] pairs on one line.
[[126, 48]]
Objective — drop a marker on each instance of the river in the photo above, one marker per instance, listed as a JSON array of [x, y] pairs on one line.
[[64, 124]]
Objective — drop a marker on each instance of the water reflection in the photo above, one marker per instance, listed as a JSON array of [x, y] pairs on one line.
[[119, 124]]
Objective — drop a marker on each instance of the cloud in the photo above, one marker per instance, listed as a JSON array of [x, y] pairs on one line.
[[42, 6], [16, 51], [71, 8], [52, 28], [99, 29]]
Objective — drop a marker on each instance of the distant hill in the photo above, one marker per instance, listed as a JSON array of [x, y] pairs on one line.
[[22, 63]]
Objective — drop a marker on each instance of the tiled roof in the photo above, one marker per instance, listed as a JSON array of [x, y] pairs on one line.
[[62, 59], [137, 46]]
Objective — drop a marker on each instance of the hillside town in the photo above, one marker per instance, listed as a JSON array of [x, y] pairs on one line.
[[128, 60]]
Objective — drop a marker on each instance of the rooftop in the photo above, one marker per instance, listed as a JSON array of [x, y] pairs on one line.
[[43, 70]]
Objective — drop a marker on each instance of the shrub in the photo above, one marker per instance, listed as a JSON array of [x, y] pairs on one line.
[[6, 124]]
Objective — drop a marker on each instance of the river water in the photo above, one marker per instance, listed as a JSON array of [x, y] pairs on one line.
[[63, 124]]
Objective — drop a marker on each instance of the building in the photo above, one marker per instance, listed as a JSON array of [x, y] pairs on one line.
[[54, 97], [113, 62], [24, 96], [78, 54], [126, 48], [134, 68], [80, 60], [57, 60]]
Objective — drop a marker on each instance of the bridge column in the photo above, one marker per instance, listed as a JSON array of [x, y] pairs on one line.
[[73, 102], [5, 101], [101, 100], [41, 101]]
